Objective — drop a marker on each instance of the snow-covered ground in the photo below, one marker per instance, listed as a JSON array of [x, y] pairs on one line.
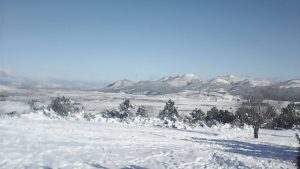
[[97, 102], [100, 101], [32, 140], [45, 143]]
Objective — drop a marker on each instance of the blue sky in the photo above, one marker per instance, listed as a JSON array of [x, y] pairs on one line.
[[139, 39]]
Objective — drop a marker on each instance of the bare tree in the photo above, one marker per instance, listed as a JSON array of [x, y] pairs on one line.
[[255, 113]]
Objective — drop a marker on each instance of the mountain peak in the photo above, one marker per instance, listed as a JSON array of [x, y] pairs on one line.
[[219, 80], [180, 80]]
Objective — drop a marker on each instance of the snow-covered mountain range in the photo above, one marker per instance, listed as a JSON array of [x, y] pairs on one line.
[[164, 85], [173, 84]]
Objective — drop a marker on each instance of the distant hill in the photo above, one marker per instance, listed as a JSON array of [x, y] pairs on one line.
[[230, 84]]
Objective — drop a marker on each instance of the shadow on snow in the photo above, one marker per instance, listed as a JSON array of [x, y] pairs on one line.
[[285, 153]]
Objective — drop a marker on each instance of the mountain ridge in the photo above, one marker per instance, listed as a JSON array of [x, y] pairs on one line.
[[166, 84], [179, 83]]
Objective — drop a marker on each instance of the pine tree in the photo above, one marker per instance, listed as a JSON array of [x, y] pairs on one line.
[[197, 116], [289, 117], [126, 109], [212, 116], [141, 111], [169, 112]]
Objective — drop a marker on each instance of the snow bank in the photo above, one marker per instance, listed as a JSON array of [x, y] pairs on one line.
[[27, 143]]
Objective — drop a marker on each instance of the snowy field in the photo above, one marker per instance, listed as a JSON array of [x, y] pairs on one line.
[[94, 101], [32, 140], [45, 143]]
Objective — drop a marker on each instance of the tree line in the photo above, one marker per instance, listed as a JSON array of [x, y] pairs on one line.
[[254, 112]]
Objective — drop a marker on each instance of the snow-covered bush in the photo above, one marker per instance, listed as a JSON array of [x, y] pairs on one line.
[[51, 114], [215, 116], [142, 112], [226, 116], [63, 106], [125, 112], [169, 123], [169, 112], [35, 105], [197, 117], [187, 120], [212, 116], [32, 104], [111, 114], [89, 116], [289, 117]]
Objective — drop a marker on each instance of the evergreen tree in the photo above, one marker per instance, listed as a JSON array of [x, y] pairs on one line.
[[169, 112], [125, 112], [141, 111], [197, 116], [289, 117], [126, 109], [212, 116], [226, 116]]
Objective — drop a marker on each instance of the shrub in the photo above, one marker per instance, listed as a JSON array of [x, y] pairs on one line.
[[32, 104], [35, 105], [187, 120], [241, 117], [212, 116], [112, 114], [169, 112], [142, 112], [63, 106], [89, 116], [221, 116], [125, 111], [226, 116], [289, 117], [197, 117]]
